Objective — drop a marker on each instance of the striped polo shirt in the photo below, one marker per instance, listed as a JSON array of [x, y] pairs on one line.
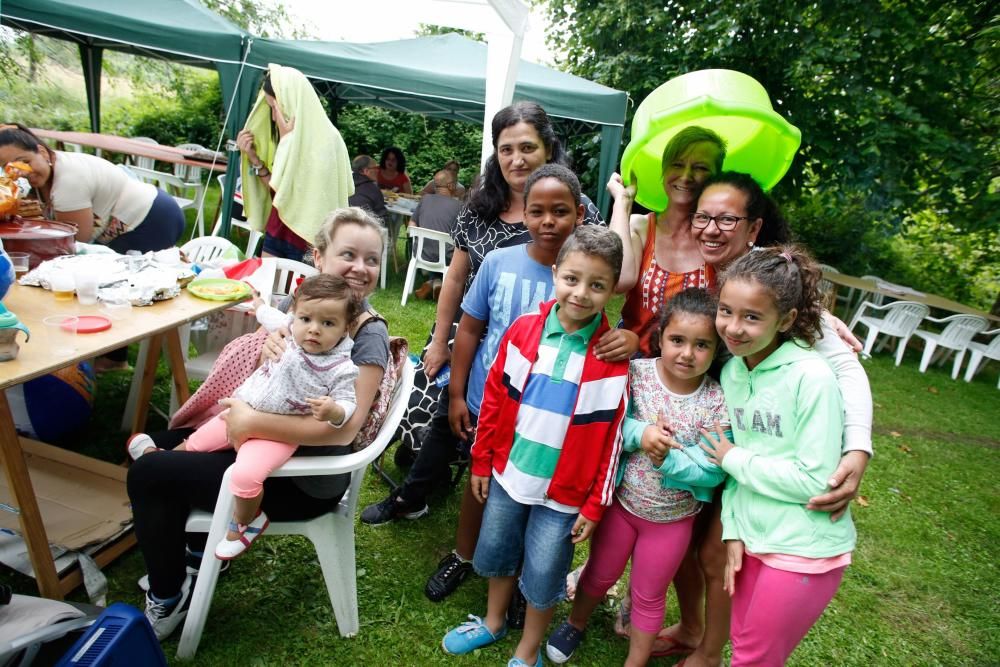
[[547, 405]]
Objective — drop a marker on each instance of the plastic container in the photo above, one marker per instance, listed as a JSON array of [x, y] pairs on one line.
[[120, 636], [734, 105]]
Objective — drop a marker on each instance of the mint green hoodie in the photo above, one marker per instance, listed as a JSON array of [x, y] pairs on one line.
[[788, 420]]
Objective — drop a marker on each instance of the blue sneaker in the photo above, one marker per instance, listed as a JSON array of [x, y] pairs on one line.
[[563, 643], [469, 636], [517, 662]]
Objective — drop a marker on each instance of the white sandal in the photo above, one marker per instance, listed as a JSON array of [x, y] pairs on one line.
[[230, 549]]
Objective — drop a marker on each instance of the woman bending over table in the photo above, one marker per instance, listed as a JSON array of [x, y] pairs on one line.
[[164, 487], [106, 205]]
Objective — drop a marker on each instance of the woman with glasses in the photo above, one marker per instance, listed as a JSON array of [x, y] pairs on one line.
[[661, 256], [731, 216]]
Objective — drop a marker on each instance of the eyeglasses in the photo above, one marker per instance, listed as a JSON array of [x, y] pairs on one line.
[[725, 223]]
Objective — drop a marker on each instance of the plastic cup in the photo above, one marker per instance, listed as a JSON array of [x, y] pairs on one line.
[[20, 261], [62, 285], [61, 334], [86, 287], [117, 308]]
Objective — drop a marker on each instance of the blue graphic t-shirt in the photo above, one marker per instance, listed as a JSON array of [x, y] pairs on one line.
[[509, 283]]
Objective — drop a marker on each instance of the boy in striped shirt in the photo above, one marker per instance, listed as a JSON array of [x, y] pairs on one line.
[[547, 444]]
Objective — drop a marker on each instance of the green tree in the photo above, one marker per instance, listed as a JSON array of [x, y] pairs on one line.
[[897, 100], [259, 17]]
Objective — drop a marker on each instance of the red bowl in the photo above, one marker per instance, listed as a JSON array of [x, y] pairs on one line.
[[41, 239]]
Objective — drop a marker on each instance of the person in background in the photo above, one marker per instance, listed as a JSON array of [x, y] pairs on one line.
[[392, 171], [367, 194], [295, 166], [437, 211], [450, 166]]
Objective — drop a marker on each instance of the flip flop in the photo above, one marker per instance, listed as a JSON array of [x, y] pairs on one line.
[[573, 582], [670, 646]]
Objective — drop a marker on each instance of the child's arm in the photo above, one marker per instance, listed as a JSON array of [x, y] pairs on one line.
[[270, 317], [689, 465], [337, 407], [481, 455], [818, 434], [470, 330]]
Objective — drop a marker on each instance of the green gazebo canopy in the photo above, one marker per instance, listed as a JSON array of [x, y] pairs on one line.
[[443, 76]]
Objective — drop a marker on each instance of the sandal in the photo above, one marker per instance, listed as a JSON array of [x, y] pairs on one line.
[[572, 582], [623, 619], [230, 549]]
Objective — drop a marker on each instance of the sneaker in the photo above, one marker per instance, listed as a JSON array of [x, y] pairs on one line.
[[138, 444], [166, 616], [516, 610], [192, 562], [563, 642], [390, 509], [469, 636], [450, 573], [517, 662]]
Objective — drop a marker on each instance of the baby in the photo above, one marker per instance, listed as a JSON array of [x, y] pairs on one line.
[[314, 375]]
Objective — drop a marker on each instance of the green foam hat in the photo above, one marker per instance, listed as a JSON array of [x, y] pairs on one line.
[[732, 104]]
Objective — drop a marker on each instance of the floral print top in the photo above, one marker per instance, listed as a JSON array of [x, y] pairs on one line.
[[641, 491]]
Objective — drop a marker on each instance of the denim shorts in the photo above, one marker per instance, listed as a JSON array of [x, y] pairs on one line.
[[538, 535]]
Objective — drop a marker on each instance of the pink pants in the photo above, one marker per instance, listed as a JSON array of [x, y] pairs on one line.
[[656, 550], [774, 609], [255, 460]]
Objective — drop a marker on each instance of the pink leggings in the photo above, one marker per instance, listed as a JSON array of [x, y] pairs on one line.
[[255, 460], [774, 609], [656, 550]]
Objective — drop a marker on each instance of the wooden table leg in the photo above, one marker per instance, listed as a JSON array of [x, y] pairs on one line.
[[146, 386], [175, 359], [32, 528]]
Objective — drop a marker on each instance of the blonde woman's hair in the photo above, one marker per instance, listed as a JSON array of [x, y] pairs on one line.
[[349, 215]]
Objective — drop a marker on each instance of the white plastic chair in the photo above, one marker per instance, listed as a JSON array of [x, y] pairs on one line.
[[167, 182], [191, 177], [206, 248], [863, 295], [901, 319], [255, 236], [332, 534], [958, 332], [977, 351], [421, 237], [830, 288], [144, 162]]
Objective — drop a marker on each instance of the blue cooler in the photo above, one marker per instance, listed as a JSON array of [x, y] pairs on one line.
[[120, 636]]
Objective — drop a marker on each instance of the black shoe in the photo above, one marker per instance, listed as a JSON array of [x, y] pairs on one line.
[[516, 610], [390, 509], [451, 572]]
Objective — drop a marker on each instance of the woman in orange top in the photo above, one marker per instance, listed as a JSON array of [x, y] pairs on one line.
[[661, 256]]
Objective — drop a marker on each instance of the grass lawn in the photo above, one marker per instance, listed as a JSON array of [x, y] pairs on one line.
[[923, 589]]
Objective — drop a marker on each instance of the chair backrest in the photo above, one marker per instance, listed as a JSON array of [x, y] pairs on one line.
[[827, 267], [286, 275], [144, 162], [903, 317], [187, 172], [961, 329], [162, 179], [206, 248], [875, 297], [431, 237], [128, 171], [993, 347]]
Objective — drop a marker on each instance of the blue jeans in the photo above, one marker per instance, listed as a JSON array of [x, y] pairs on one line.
[[539, 534]]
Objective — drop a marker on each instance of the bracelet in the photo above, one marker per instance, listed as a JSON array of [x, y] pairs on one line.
[[260, 170]]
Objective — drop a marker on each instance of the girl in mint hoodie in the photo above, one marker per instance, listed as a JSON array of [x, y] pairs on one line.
[[785, 562]]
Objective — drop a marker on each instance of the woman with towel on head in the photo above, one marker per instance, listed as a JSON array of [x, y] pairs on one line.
[[295, 165]]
